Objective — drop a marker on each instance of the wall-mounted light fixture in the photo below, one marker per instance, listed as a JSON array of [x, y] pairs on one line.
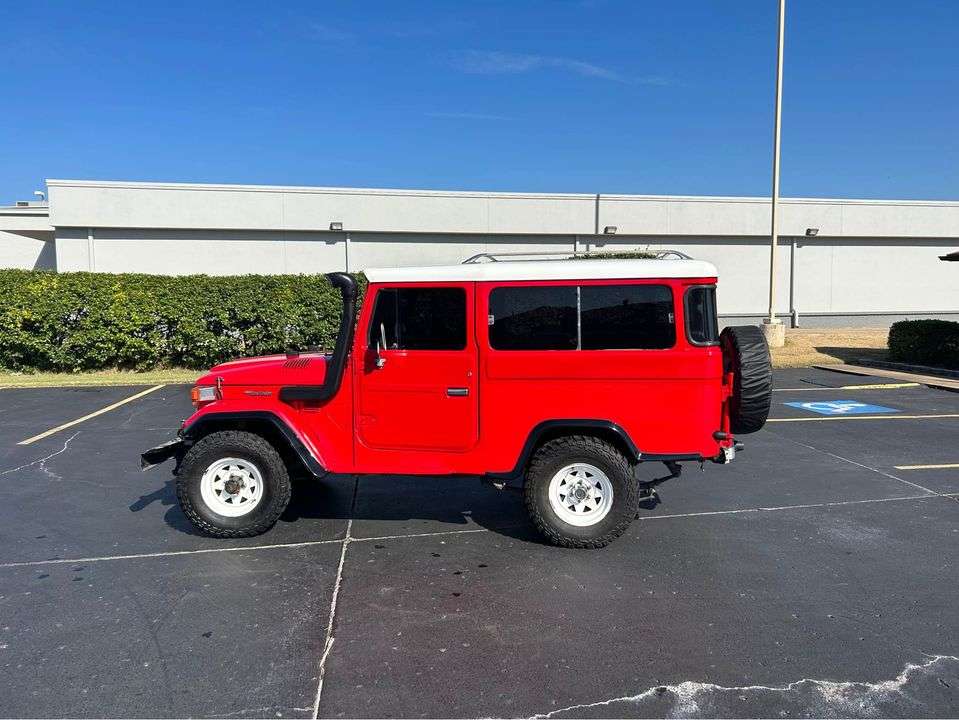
[[609, 230], [336, 226], [812, 232]]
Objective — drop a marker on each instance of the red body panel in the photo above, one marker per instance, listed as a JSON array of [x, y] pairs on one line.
[[402, 419]]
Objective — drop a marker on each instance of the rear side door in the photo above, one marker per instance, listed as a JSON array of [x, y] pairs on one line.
[[418, 390]]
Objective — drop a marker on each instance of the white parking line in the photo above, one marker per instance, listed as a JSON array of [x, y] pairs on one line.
[[430, 534], [864, 467], [873, 386], [440, 533], [943, 466], [838, 503], [169, 553], [244, 548], [881, 386], [862, 417], [94, 414]]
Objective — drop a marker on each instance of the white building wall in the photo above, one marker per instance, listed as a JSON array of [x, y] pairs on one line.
[[742, 262], [825, 276], [25, 251], [211, 207], [875, 275], [233, 252], [73, 250], [26, 239], [869, 259], [239, 252], [75, 203]]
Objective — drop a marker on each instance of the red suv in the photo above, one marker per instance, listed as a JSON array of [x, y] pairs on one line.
[[557, 377]]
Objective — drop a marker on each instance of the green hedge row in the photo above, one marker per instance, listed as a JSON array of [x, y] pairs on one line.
[[926, 342], [90, 321]]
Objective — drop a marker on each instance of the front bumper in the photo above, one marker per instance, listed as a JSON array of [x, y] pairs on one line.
[[154, 456]]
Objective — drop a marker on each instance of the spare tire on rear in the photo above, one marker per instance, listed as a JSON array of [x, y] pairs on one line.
[[746, 356]]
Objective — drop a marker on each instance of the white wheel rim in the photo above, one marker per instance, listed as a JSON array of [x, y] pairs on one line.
[[580, 494], [232, 487]]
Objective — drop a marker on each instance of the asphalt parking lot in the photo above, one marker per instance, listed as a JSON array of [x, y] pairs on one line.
[[816, 575]]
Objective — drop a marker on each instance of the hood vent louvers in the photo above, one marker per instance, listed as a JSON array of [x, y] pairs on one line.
[[297, 363]]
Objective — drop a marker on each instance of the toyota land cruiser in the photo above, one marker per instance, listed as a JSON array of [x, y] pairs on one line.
[[556, 377]]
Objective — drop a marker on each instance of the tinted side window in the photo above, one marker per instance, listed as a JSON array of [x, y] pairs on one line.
[[702, 325], [627, 317], [420, 318], [533, 318]]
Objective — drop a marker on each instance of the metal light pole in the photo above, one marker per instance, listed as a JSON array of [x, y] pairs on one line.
[[773, 328]]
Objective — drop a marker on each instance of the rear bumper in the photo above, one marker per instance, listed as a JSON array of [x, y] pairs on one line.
[[155, 456]]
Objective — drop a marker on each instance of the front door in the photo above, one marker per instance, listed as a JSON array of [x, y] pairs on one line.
[[416, 381]]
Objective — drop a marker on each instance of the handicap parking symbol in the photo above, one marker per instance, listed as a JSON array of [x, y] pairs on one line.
[[841, 407]]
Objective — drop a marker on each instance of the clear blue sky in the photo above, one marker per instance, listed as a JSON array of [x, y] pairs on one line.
[[590, 96]]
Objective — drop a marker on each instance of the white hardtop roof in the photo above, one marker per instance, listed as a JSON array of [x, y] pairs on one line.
[[546, 270]]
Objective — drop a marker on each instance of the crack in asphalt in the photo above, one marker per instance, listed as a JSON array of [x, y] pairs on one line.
[[42, 462], [261, 711], [805, 698], [330, 638]]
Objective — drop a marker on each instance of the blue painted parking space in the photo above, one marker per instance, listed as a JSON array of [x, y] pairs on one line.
[[841, 407]]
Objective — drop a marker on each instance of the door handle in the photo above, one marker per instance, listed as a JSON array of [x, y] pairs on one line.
[[457, 392]]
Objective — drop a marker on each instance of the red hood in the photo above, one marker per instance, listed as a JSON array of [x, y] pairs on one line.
[[308, 368]]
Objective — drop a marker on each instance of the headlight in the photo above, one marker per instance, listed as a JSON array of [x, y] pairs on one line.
[[203, 395]]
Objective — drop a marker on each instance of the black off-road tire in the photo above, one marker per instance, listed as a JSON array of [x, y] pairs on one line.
[[245, 446], [746, 355], [549, 459]]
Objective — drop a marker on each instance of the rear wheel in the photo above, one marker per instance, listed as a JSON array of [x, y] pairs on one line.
[[233, 484], [580, 492]]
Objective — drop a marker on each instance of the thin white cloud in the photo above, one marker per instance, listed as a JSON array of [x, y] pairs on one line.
[[653, 80], [493, 62], [400, 30], [376, 31], [465, 116], [329, 33]]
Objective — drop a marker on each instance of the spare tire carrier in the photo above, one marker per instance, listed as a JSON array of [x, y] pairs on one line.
[[746, 357]]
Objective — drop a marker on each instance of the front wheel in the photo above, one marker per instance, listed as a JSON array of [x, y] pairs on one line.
[[580, 492], [233, 484]]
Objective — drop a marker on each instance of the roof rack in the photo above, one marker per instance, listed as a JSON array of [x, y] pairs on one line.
[[568, 255], [673, 255]]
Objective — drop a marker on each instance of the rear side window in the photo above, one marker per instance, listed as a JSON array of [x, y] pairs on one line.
[[626, 317], [420, 318], [589, 317], [533, 318], [702, 324]]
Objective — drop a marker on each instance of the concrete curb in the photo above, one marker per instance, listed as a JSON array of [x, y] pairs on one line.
[[929, 380], [907, 367]]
